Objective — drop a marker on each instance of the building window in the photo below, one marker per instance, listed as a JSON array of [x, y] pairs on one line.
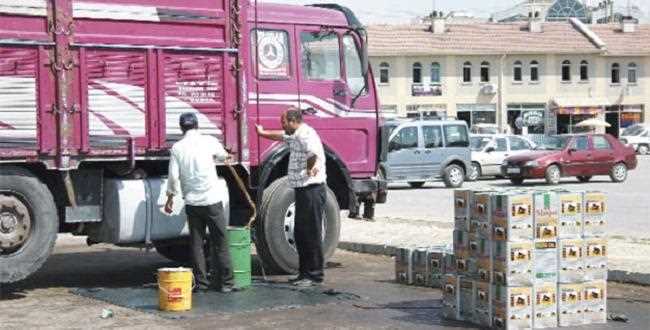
[[384, 73], [566, 70], [517, 72], [631, 73], [435, 72], [584, 71], [417, 73], [616, 73], [534, 71], [467, 72], [485, 72]]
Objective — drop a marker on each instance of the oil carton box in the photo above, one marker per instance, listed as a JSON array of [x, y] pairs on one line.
[[569, 304], [449, 263], [570, 217], [462, 208], [595, 214], [594, 297], [545, 261], [481, 260], [466, 299], [450, 296], [461, 242], [513, 307], [545, 305], [595, 258], [482, 206], [513, 216], [546, 214], [483, 296], [419, 266], [571, 267], [403, 270], [436, 266], [513, 263]]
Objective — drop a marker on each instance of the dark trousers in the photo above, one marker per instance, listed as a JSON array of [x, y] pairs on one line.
[[212, 217], [308, 230]]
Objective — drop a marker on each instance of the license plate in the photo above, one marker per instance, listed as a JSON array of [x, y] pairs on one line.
[[513, 170]]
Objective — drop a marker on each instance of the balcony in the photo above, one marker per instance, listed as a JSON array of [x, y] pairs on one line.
[[426, 90]]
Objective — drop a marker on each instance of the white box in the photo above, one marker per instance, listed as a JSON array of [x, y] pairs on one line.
[[512, 217], [545, 305], [569, 305], [594, 297], [595, 214], [546, 214], [571, 267], [403, 268], [512, 307], [513, 263], [595, 258], [545, 262], [570, 219]]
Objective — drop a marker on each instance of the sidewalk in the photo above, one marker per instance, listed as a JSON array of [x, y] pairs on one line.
[[629, 259]]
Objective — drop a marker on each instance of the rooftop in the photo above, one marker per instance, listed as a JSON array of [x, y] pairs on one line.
[[624, 44]]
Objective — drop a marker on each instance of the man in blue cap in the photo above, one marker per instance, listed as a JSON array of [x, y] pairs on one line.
[[192, 172]]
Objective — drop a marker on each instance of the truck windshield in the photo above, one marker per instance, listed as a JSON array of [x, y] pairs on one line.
[[554, 143], [477, 143], [353, 66]]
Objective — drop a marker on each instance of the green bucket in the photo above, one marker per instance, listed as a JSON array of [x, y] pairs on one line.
[[239, 241]]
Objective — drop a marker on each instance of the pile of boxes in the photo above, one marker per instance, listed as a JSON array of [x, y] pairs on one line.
[[423, 266], [528, 259]]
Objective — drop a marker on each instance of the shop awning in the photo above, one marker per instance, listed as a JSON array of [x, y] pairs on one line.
[[579, 106]]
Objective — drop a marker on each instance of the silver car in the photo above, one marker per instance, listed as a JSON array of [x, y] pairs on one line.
[[489, 152], [425, 151]]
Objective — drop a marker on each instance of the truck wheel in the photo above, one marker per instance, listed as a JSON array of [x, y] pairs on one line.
[[643, 149], [553, 175], [179, 251], [454, 176], [274, 229], [28, 224], [618, 173], [418, 184]]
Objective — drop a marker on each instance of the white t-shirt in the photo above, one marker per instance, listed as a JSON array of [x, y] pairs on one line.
[[303, 144], [192, 170]]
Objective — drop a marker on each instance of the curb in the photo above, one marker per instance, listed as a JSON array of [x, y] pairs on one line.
[[620, 276]]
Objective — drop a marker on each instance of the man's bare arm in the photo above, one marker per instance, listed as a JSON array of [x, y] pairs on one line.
[[271, 135], [312, 169]]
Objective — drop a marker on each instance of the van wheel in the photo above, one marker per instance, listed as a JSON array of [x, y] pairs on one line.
[[28, 224], [274, 236], [454, 176], [553, 175], [618, 173], [416, 184], [643, 150]]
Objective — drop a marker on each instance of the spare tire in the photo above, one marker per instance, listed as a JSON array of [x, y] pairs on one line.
[[28, 224], [274, 228]]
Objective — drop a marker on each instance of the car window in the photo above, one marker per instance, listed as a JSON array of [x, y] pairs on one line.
[[432, 137], [518, 144], [581, 143], [601, 143], [406, 138], [502, 145], [320, 56], [456, 136], [477, 143]]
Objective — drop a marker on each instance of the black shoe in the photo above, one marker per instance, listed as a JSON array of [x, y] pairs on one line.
[[201, 287]]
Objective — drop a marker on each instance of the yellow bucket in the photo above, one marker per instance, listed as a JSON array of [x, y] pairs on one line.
[[175, 289]]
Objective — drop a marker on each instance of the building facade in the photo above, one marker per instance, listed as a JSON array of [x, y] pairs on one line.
[[536, 77]]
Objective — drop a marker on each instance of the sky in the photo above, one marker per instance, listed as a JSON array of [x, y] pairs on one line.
[[401, 11]]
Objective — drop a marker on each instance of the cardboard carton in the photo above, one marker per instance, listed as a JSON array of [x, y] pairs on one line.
[[595, 214], [435, 266], [482, 206], [545, 262], [483, 296], [570, 307], [570, 218], [419, 266], [594, 297], [450, 297], [513, 263], [546, 215], [595, 259], [466, 300], [512, 307], [571, 267], [462, 208], [512, 217], [403, 266], [545, 305]]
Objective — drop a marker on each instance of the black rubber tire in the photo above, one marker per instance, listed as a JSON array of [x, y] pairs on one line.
[[44, 227], [179, 251], [447, 176], [415, 185], [612, 172], [475, 171], [517, 181], [584, 178], [550, 177], [276, 253]]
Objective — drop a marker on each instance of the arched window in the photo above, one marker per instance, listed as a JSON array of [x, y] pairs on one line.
[[534, 71], [566, 70], [467, 72], [435, 72], [485, 71], [517, 71], [562, 10], [417, 73], [384, 73], [584, 71], [616, 73], [631, 73]]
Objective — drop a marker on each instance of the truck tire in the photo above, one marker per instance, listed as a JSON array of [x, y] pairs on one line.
[[274, 228], [416, 184], [28, 224], [454, 176], [180, 251]]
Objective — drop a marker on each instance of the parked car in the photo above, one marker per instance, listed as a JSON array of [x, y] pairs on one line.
[[581, 155], [488, 129], [425, 151], [638, 137], [489, 152]]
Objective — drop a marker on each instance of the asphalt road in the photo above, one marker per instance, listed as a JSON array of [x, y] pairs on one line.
[[629, 202]]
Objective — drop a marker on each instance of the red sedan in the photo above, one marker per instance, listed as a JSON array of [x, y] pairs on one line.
[[582, 156]]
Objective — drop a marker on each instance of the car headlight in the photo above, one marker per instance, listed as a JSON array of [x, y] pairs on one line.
[[532, 163]]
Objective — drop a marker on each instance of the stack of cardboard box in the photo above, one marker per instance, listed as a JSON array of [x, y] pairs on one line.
[[424, 266], [528, 259]]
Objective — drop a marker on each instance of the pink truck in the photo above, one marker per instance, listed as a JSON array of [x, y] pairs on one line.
[[90, 96]]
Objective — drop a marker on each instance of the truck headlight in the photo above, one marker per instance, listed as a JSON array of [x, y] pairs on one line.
[[532, 163]]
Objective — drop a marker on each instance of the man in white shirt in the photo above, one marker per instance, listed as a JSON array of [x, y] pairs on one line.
[[192, 171], [307, 176]]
